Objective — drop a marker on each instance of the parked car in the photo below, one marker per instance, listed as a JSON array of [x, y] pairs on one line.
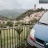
[[39, 33]]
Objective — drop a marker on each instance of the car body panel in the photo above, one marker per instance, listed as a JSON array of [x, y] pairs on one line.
[[41, 32], [33, 43]]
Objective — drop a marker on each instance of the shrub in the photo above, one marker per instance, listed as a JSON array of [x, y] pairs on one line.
[[10, 24]]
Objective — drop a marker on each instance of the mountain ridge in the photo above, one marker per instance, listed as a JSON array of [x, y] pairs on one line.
[[12, 14]]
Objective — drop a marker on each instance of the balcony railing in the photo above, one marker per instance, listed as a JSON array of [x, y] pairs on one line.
[[9, 37]]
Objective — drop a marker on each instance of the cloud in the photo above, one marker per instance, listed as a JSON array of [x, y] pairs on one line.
[[7, 4], [26, 4], [10, 4]]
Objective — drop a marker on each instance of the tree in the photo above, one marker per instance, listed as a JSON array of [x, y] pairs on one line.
[[10, 24]]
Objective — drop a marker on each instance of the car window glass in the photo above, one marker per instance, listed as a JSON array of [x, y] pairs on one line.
[[44, 18]]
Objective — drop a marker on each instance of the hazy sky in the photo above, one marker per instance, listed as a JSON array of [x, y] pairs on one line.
[[25, 4]]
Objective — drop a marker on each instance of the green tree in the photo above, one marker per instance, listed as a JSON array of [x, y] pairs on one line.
[[10, 24]]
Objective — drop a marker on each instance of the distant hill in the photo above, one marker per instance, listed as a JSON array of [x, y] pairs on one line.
[[3, 18], [12, 14]]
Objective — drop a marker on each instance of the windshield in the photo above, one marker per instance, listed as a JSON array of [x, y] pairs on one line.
[[44, 18]]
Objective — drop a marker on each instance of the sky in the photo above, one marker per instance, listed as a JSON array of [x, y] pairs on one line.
[[20, 4]]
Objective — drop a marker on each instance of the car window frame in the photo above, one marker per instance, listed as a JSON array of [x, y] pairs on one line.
[[40, 18]]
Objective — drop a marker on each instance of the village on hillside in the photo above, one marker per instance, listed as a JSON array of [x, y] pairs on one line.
[[36, 15], [25, 20]]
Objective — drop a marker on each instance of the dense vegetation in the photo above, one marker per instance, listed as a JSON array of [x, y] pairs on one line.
[[28, 12], [10, 24]]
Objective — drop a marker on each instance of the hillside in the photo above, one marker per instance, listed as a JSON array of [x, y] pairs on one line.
[[12, 14], [28, 13], [3, 18]]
